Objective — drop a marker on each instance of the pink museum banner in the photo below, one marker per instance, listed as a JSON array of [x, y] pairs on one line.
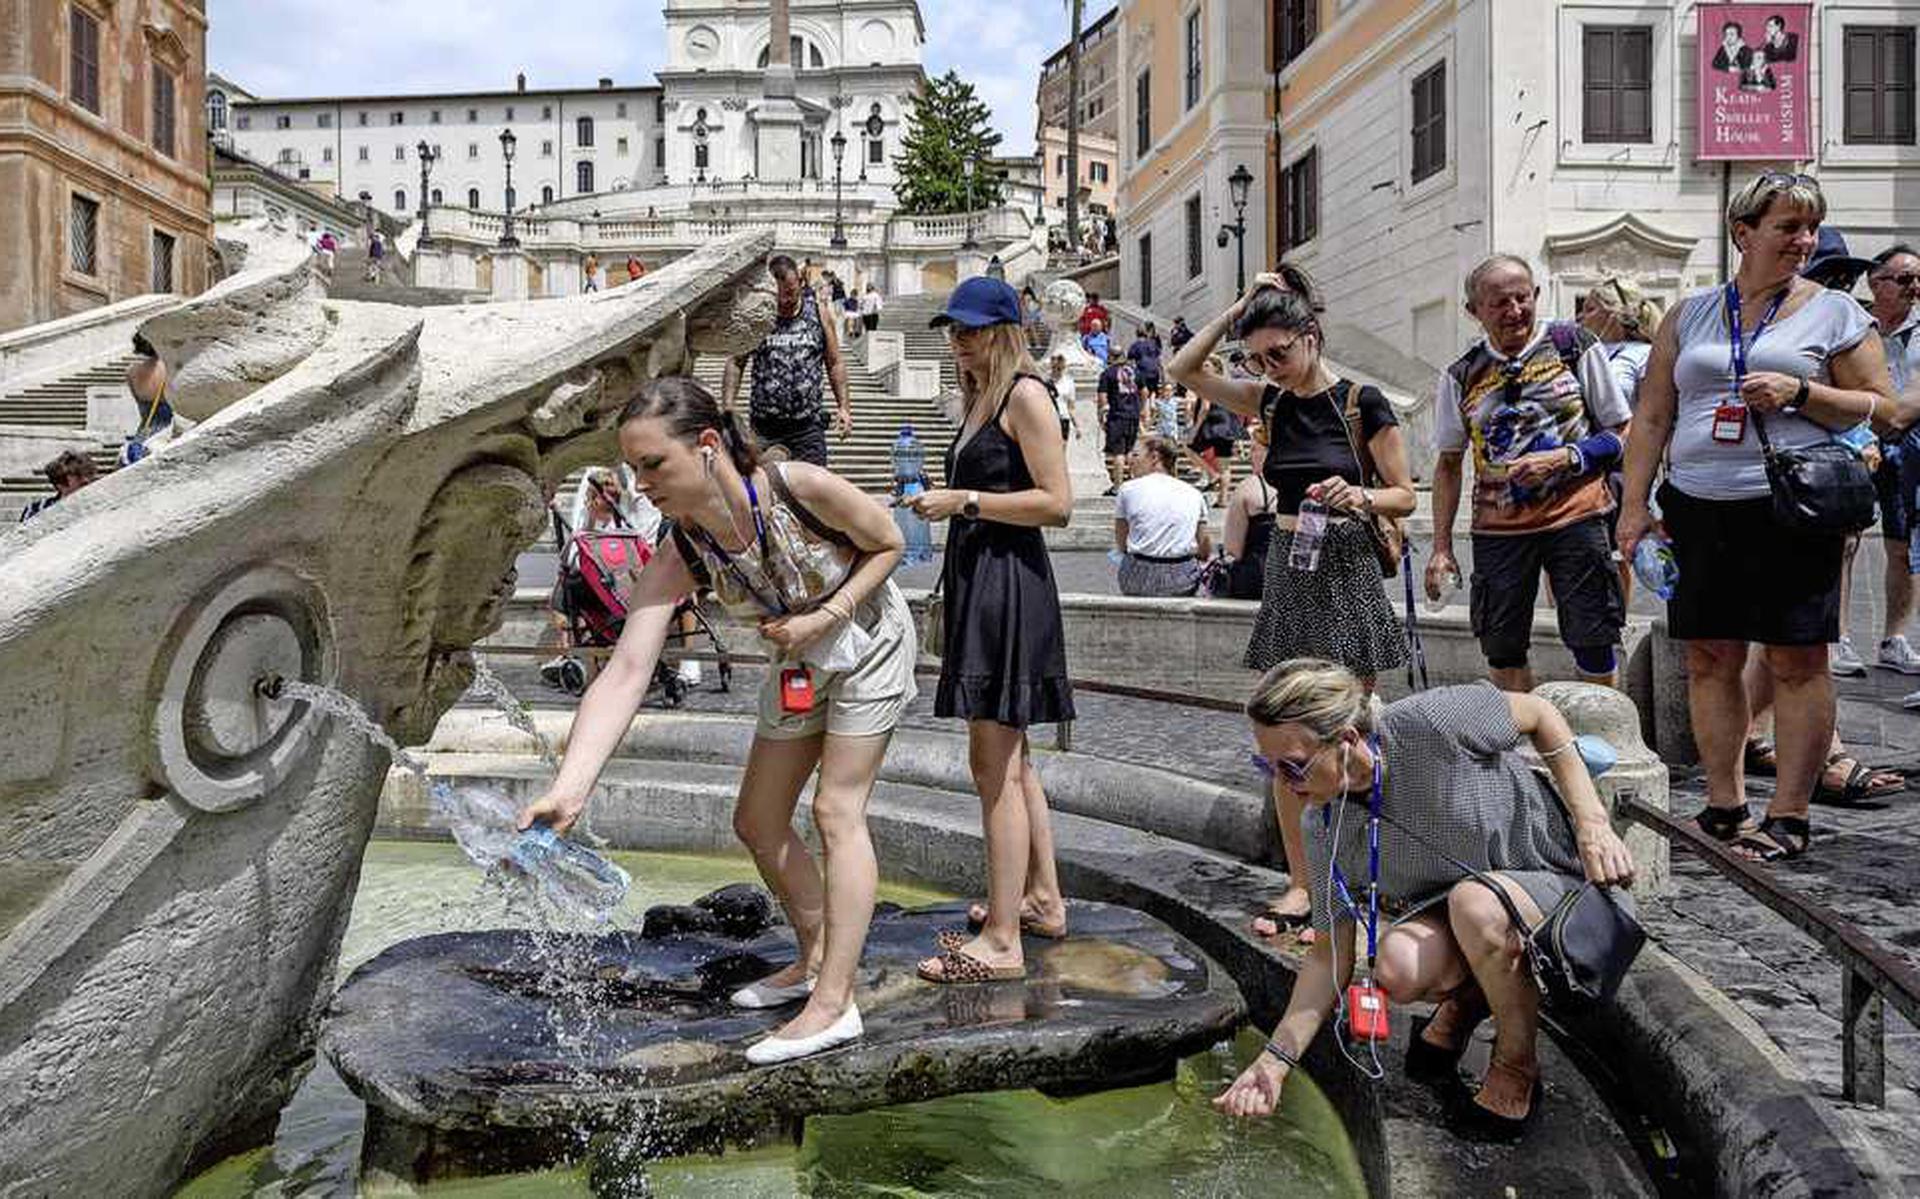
[[1755, 61]]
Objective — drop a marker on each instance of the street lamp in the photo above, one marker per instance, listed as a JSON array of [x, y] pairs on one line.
[[1238, 185], [969, 243], [427, 159], [507, 140], [839, 144]]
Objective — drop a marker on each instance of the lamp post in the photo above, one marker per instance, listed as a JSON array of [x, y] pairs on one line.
[[507, 140], [839, 144], [968, 243], [427, 159], [1238, 185]]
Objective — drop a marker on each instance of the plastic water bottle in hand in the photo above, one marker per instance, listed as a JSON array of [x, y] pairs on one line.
[[1309, 533], [1449, 587], [1654, 563], [572, 877]]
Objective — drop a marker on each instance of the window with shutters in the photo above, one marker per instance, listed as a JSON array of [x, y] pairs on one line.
[[1146, 271], [1296, 23], [324, 120], [162, 256], [83, 235], [1196, 239], [83, 60], [1142, 114], [438, 197], [583, 131], [546, 148], [399, 201], [473, 197], [1430, 121], [1300, 200], [363, 155], [1878, 63], [583, 177], [163, 111], [660, 153], [1616, 84]]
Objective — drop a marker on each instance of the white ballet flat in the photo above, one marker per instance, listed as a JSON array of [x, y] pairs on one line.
[[764, 994], [780, 1049]]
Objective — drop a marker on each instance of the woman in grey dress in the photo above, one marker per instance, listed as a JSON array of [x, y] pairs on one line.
[[1449, 768]]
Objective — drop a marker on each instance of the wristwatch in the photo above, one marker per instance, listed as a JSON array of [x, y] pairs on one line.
[[1799, 397], [971, 509]]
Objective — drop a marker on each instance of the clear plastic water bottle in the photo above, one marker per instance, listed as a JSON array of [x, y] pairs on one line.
[[1309, 534], [1449, 588], [1654, 563], [571, 876], [909, 480]]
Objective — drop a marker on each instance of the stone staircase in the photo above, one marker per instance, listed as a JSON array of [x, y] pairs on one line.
[[865, 458], [908, 316], [57, 404], [395, 284]]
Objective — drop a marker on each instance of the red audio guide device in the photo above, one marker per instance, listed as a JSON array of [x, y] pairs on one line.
[[1367, 1012]]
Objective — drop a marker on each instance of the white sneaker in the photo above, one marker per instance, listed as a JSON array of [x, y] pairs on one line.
[[1897, 654], [689, 672], [1911, 701], [780, 1049], [1843, 662], [764, 994]]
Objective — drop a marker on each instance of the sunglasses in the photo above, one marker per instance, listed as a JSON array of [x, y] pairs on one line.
[[1784, 179], [1907, 280], [1294, 772], [1264, 360]]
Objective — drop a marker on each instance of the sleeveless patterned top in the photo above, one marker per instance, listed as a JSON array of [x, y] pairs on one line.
[[804, 563], [790, 368]]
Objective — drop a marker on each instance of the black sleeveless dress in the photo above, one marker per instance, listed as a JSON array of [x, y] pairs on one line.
[[1006, 654]]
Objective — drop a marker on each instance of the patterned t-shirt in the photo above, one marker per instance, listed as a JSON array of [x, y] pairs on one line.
[[1510, 407], [790, 368]]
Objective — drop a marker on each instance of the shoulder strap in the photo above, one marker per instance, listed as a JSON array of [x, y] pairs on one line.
[[689, 554], [1571, 341], [777, 475], [1349, 404]]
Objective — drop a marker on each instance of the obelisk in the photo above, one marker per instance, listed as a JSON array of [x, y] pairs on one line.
[[777, 120]]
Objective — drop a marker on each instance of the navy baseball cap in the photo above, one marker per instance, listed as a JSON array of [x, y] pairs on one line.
[[979, 302]]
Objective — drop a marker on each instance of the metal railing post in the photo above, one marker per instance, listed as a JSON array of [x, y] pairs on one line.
[[1863, 1062]]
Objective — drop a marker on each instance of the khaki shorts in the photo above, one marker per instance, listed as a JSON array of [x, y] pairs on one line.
[[862, 702]]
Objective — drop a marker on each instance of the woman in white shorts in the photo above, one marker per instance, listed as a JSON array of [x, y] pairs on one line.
[[808, 556]]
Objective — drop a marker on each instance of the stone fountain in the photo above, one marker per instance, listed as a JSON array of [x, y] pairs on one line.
[[178, 850]]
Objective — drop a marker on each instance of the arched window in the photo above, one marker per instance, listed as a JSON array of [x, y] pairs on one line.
[[546, 194], [436, 196], [216, 110], [583, 177], [583, 131], [803, 54], [473, 197], [400, 200]]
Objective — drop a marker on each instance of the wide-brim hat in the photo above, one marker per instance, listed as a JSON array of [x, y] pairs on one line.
[[978, 303], [1831, 264]]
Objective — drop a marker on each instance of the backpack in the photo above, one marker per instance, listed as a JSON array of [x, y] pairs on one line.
[[1569, 339]]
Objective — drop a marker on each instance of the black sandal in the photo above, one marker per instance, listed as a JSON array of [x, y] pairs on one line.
[[1722, 824], [1777, 839], [1759, 757], [1864, 784]]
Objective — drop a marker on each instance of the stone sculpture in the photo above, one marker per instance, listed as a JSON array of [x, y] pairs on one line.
[[179, 852], [1062, 304]]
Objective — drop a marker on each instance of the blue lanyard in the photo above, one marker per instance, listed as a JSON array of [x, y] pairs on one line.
[[1737, 340], [779, 606], [1375, 801]]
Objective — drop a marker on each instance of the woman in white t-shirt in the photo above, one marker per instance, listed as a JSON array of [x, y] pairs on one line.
[[1159, 525], [1063, 389]]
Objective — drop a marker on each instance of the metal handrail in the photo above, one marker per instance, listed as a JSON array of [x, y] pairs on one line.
[[1871, 976]]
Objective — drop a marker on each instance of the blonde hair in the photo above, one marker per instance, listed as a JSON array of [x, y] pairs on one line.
[[1004, 350], [1321, 695], [1749, 205], [1621, 298]]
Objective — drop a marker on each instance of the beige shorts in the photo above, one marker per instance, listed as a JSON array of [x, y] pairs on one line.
[[861, 702]]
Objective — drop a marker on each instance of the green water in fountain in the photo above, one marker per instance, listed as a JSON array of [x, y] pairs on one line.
[[1158, 1140]]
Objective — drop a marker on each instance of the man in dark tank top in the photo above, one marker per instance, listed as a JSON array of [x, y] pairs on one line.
[[798, 356]]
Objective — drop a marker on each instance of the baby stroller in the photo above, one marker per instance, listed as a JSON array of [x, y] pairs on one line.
[[591, 596]]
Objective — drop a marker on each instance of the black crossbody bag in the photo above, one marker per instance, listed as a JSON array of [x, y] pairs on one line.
[[1580, 952], [1824, 488]]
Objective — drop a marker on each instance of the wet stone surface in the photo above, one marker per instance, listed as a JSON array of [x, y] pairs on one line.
[[479, 1049]]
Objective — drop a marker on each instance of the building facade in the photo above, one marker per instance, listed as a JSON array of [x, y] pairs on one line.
[[103, 157], [1417, 136], [568, 142], [1193, 109], [1099, 75], [1099, 172]]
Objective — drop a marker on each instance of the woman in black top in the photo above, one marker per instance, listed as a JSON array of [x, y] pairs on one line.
[[1337, 610], [1005, 662]]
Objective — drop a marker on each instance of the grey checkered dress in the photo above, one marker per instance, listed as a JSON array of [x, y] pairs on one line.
[[1453, 774]]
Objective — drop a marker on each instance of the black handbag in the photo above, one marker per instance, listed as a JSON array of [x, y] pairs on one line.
[[1824, 488], [1579, 953]]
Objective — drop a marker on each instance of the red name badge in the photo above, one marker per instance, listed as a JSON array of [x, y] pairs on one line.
[[1730, 423], [796, 691], [1367, 1012]]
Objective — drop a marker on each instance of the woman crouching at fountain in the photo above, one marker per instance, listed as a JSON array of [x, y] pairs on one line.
[[1444, 771], [808, 556]]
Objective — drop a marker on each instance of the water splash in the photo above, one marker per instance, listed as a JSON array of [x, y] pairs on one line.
[[347, 709], [497, 694], [580, 886]]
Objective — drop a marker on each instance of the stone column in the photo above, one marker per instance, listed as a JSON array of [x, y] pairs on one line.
[[509, 274], [778, 123]]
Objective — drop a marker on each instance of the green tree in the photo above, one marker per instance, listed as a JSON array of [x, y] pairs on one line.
[[948, 127]]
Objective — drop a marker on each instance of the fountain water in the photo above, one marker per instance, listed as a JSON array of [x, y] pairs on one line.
[[488, 687]]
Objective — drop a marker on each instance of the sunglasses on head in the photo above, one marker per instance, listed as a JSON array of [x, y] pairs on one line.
[[1785, 179]]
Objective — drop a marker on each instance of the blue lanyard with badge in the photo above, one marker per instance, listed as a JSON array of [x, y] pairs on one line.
[[1367, 1015], [1730, 418], [796, 682]]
